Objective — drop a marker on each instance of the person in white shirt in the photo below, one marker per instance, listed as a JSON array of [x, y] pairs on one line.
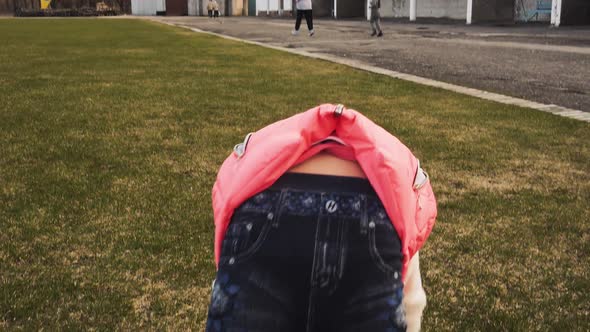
[[215, 9], [210, 6], [303, 9]]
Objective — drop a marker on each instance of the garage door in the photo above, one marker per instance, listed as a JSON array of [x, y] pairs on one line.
[[176, 7]]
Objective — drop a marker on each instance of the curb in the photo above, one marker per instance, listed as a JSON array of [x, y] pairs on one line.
[[503, 99]]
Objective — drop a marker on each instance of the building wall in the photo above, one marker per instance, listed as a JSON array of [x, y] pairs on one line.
[[147, 7], [176, 7], [322, 8], [395, 8], [495, 10], [575, 12], [193, 7], [237, 7], [453, 9], [267, 5], [350, 8], [6, 7], [272, 6]]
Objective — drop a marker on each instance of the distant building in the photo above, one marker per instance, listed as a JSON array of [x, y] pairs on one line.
[[174, 7], [554, 12], [148, 7], [9, 7], [160, 7]]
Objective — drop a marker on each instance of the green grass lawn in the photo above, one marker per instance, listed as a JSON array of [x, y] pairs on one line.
[[112, 131]]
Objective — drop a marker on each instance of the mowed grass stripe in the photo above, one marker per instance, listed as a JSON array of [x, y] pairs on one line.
[[112, 131]]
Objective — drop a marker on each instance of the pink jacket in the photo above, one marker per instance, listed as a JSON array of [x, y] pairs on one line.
[[390, 167]]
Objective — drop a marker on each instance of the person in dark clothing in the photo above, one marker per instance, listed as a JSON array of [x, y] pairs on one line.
[[375, 18], [303, 9]]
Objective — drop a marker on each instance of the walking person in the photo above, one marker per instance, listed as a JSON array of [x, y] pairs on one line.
[[215, 9], [375, 18], [210, 8], [318, 222], [303, 9]]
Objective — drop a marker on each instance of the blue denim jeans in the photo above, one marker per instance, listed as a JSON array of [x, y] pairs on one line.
[[311, 253]]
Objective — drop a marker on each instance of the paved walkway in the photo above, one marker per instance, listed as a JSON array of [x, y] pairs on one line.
[[529, 62]]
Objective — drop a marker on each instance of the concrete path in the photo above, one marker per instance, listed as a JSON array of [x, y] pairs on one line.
[[532, 66]]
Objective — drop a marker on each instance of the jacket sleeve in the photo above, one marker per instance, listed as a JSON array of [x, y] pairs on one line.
[[426, 210]]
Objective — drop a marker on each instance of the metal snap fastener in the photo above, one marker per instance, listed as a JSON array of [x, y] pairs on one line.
[[395, 275], [232, 261], [331, 206], [249, 226], [372, 224], [270, 215]]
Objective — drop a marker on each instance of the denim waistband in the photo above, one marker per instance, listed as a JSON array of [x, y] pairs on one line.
[[310, 194]]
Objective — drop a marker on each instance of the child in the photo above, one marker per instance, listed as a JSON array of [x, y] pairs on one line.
[[375, 18], [319, 219]]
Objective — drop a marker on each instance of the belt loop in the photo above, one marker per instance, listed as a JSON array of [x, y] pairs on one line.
[[364, 216], [278, 209]]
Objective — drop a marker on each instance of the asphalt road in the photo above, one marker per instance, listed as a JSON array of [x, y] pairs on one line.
[[533, 62]]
